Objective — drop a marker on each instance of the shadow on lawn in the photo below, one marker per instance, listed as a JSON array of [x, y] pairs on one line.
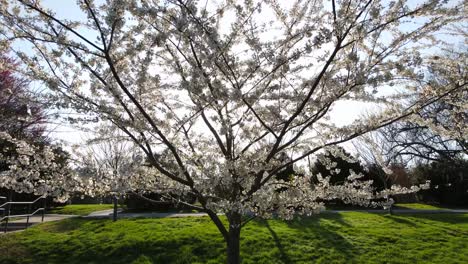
[[125, 241], [102, 241], [414, 220], [65, 225], [448, 218], [283, 255], [305, 240], [309, 239], [399, 219]]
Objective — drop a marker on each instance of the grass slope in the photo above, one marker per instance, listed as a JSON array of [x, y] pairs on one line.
[[417, 206], [79, 209], [330, 238]]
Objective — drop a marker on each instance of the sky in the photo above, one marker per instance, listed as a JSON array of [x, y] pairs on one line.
[[343, 113]]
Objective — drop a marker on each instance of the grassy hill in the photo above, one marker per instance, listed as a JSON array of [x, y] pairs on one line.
[[328, 238]]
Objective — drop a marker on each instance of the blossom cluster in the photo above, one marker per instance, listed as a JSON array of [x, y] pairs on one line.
[[223, 99], [32, 169]]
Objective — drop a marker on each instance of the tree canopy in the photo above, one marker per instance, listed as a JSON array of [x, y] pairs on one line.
[[216, 94], [29, 162]]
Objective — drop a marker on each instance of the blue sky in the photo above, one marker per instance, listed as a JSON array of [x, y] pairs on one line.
[[343, 112]]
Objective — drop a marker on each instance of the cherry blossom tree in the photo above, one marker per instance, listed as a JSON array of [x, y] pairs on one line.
[[28, 161], [106, 161], [437, 132], [30, 167], [222, 96]]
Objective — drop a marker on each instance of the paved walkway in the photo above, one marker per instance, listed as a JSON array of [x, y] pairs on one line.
[[47, 218], [108, 213], [405, 211], [20, 224]]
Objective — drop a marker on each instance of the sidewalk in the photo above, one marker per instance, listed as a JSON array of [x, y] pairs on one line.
[[108, 213], [20, 224], [405, 211]]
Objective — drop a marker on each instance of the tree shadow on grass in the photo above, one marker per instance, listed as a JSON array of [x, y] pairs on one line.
[[82, 225], [335, 217], [178, 251], [307, 239], [125, 241], [64, 225], [283, 255], [413, 219], [448, 218], [399, 219]]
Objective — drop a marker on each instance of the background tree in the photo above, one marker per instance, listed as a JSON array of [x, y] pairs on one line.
[[437, 132], [449, 181], [432, 144], [341, 165], [106, 160], [28, 160], [109, 162], [21, 115], [215, 94]]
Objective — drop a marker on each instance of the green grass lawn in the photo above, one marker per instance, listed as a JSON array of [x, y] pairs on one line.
[[85, 209], [417, 206], [79, 209], [329, 238]]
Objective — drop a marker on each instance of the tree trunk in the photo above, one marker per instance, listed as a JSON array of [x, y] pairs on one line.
[[114, 215], [233, 240], [231, 236]]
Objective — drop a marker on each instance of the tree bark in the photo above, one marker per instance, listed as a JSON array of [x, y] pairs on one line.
[[233, 239], [114, 215]]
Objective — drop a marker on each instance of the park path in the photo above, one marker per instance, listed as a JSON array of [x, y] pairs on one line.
[[108, 213], [405, 211], [20, 224]]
